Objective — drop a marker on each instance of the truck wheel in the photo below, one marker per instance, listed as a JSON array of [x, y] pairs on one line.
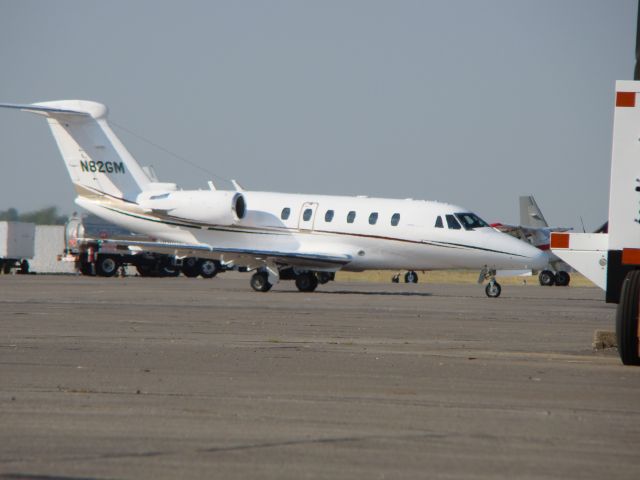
[[208, 268], [85, 268], [6, 268], [627, 319], [107, 266], [190, 267], [24, 267]]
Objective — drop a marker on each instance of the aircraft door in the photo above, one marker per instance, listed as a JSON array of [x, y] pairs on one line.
[[307, 216]]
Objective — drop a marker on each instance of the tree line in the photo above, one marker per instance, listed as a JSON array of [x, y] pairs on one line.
[[44, 216]]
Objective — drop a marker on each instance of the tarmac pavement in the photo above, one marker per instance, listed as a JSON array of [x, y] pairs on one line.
[[190, 378]]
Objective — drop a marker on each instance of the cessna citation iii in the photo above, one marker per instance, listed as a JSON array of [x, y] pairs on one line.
[[306, 238]]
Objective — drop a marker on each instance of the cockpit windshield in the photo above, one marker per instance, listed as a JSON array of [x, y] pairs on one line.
[[471, 221]]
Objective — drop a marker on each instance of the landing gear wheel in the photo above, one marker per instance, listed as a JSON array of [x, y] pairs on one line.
[[324, 277], [493, 289], [562, 279], [546, 278], [627, 319], [260, 282], [190, 267], [107, 266], [411, 277], [306, 282], [395, 278], [208, 268]]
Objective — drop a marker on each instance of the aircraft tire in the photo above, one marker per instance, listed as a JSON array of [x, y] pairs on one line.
[[306, 282], [395, 278], [562, 279], [627, 320], [107, 266], [411, 277], [546, 278], [190, 267], [208, 268], [493, 290], [260, 282]]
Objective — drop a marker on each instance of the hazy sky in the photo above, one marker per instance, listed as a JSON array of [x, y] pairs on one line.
[[469, 102]]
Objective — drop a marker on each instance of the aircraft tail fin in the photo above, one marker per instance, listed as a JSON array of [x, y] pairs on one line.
[[530, 213], [98, 163]]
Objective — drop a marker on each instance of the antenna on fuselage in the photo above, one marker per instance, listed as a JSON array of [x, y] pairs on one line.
[[237, 186]]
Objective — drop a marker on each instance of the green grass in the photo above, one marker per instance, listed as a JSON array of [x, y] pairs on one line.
[[450, 276]]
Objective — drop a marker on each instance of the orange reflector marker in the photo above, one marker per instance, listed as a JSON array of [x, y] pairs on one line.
[[631, 256], [559, 240], [625, 99]]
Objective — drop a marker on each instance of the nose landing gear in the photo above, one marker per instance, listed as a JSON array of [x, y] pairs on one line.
[[493, 288]]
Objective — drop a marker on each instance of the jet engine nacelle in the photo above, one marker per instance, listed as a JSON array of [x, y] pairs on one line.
[[209, 207]]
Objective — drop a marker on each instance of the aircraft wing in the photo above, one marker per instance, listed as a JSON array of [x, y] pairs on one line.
[[244, 257]]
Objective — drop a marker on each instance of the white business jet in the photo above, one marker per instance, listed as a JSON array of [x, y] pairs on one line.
[[306, 238]]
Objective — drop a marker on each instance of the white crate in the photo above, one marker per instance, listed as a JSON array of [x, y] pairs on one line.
[[17, 240]]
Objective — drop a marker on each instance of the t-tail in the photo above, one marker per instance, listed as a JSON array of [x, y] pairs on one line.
[[612, 260], [98, 163]]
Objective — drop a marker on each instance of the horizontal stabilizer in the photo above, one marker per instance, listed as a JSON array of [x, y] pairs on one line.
[[34, 107]]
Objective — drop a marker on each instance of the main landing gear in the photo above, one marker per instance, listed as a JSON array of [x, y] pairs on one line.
[[409, 277], [547, 278], [493, 288], [306, 281]]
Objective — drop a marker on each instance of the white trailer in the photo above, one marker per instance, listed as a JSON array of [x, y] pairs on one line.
[[17, 240]]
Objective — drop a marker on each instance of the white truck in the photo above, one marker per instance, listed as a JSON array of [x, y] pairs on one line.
[[612, 260], [17, 245], [86, 245]]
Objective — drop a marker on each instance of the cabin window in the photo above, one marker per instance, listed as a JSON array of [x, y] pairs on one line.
[[328, 216], [285, 213], [395, 219], [373, 218], [306, 216], [439, 222], [470, 221], [351, 216], [452, 223]]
